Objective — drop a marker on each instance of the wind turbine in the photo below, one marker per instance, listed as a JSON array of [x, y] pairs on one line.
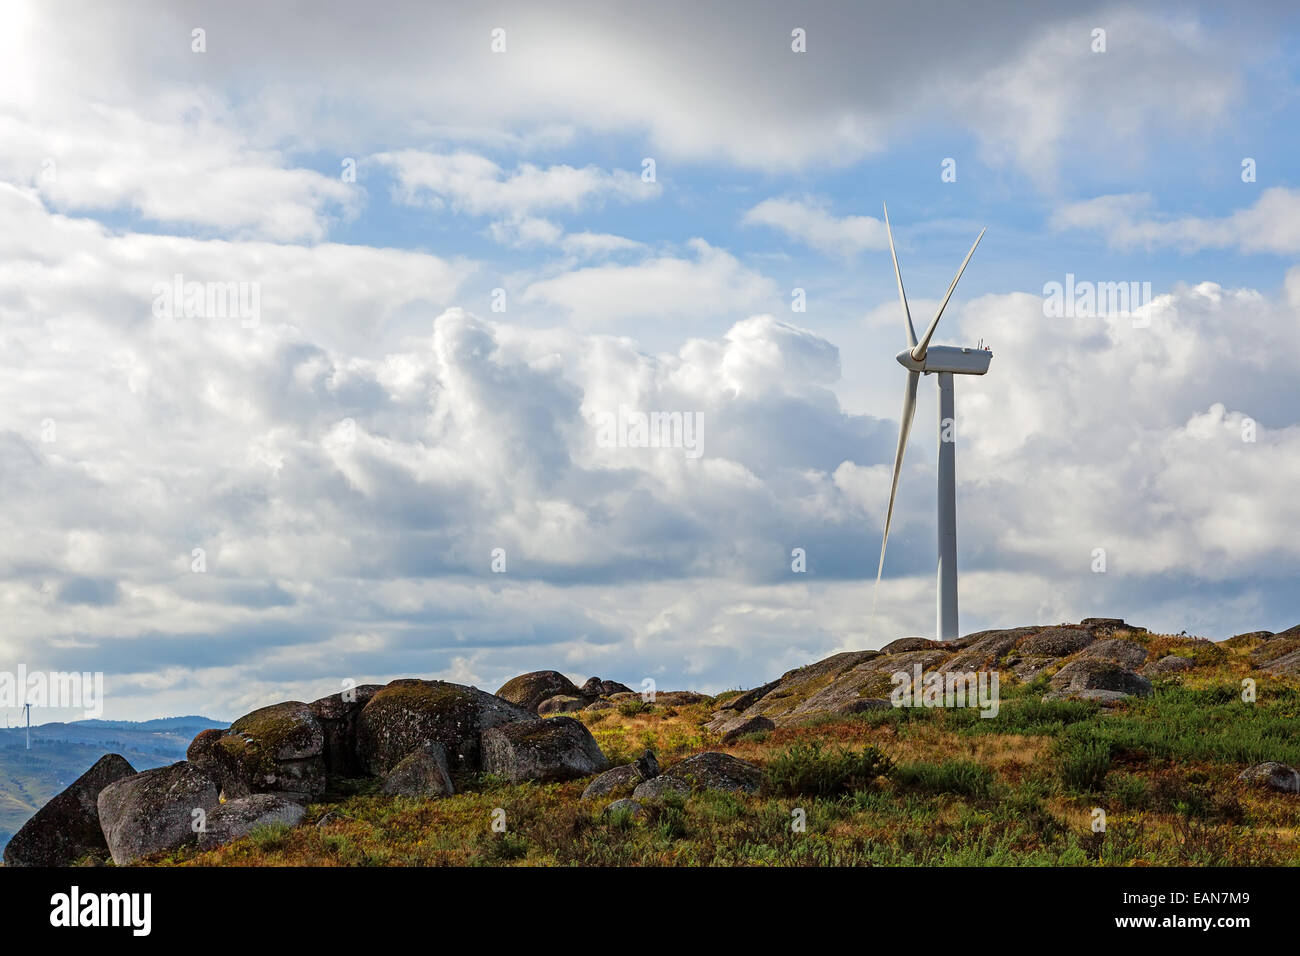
[[945, 361], [29, 725]]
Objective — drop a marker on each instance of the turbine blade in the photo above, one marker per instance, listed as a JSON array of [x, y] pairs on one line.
[[918, 353], [904, 429], [902, 296]]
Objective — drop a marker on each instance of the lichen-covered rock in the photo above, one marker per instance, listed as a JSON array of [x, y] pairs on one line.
[[67, 828], [1101, 680], [746, 726], [337, 715], [595, 687], [407, 714], [1247, 638], [273, 749], [557, 748], [675, 698], [1129, 653], [561, 705], [1027, 668], [706, 771], [750, 697], [904, 644], [983, 649], [422, 773], [1102, 626], [529, 690], [154, 810], [620, 780], [1288, 665], [657, 787], [1057, 641], [1280, 653], [1169, 664], [842, 694], [235, 819], [1274, 775], [623, 779]]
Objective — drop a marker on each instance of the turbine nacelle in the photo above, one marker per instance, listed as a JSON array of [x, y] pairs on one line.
[[947, 358]]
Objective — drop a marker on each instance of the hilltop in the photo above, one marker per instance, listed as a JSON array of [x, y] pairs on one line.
[[1109, 746]]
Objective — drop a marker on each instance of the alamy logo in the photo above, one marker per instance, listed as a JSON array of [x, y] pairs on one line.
[[975, 689], [102, 909], [68, 689], [1084, 299], [630, 428], [208, 300]]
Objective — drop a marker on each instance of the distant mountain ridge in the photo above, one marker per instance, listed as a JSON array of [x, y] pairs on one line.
[[61, 752]]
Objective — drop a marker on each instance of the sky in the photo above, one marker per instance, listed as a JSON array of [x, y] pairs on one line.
[[436, 250]]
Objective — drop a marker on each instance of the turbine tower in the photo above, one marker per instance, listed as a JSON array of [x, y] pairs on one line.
[[945, 361]]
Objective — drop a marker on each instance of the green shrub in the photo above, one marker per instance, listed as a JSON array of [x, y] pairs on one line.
[[1129, 791], [1082, 763], [810, 770], [270, 837], [502, 848], [951, 776]]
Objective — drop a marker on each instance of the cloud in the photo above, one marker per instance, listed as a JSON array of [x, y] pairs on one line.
[[1023, 80], [1270, 225], [713, 282], [810, 222], [474, 184], [348, 492], [95, 157], [1158, 79]]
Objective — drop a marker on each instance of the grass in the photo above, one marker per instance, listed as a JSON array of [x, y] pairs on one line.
[[809, 769], [899, 787]]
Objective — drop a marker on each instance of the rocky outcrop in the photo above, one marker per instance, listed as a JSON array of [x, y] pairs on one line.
[[337, 715], [595, 687], [1279, 654], [1099, 680], [1167, 665], [1273, 775], [274, 749], [624, 779], [408, 714], [557, 748], [747, 726], [1130, 654], [67, 828], [904, 644], [529, 690], [156, 810], [706, 771], [1103, 626], [1057, 641], [675, 698], [751, 697], [983, 649], [421, 773], [731, 726], [235, 819], [562, 705]]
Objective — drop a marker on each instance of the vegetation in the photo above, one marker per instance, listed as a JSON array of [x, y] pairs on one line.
[[885, 787]]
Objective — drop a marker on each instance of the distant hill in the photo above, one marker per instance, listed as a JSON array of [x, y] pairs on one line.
[[61, 752]]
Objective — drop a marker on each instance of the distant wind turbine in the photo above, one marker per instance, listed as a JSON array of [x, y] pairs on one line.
[[29, 724], [945, 361]]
